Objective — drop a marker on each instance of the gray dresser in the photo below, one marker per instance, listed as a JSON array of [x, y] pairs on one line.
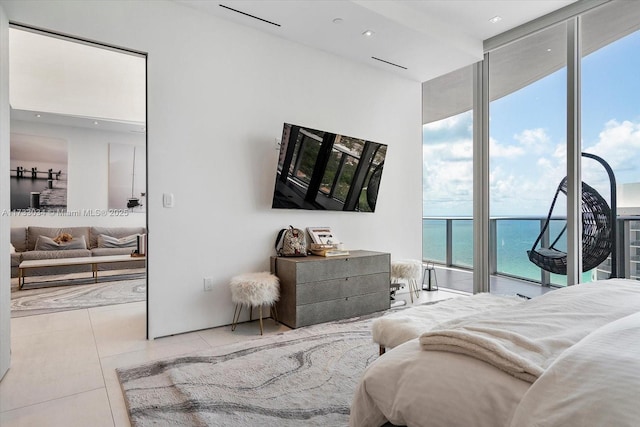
[[317, 289]]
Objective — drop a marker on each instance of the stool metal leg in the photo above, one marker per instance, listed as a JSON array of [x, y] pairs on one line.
[[414, 286], [260, 312], [410, 289], [274, 312], [236, 316]]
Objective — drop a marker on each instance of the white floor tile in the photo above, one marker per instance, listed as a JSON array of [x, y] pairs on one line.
[[90, 408], [46, 323], [121, 330], [50, 365], [244, 331]]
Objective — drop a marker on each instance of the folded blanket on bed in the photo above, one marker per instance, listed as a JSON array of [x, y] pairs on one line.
[[398, 327], [525, 339]]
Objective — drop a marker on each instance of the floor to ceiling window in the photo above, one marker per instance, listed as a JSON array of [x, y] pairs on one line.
[[527, 147], [447, 226], [611, 119], [528, 130]]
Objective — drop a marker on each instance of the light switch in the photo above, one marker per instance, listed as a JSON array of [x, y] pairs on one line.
[[167, 200]]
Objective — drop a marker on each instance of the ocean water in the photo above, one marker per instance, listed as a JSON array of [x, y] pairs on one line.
[[514, 238], [21, 191], [21, 188]]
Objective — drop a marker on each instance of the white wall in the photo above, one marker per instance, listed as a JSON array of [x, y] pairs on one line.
[[5, 266], [88, 172], [218, 94]]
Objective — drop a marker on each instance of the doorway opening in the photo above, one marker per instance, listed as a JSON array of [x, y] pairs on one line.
[[78, 147]]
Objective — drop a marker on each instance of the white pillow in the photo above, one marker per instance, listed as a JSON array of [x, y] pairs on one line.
[[593, 383], [105, 241], [12, 250]]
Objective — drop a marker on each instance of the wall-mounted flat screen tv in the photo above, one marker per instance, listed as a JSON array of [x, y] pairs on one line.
[[319, 170]]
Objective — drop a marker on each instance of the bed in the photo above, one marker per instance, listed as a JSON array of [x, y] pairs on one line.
[[569, 357]]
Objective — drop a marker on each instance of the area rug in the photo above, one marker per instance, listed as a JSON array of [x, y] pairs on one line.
[[302, 377], [108, 291]]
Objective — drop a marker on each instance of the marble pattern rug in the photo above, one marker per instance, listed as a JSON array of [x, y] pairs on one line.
[[108, 291], [304, 377]]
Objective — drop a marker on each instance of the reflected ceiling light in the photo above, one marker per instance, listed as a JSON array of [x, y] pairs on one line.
[[495, 19], [95, 122], [368, 33], [38, 115]]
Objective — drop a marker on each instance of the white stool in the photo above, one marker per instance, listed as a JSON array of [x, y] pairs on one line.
[[409, 270], [254, 290]]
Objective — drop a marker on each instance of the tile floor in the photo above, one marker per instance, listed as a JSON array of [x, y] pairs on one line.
[[63, 364], [454, 279]]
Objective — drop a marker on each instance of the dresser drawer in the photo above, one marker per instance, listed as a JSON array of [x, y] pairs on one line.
[[340, 267], [344, 308], [325, 290]]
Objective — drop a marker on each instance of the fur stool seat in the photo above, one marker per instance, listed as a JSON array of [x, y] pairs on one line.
[[254, 290], [409, 270]]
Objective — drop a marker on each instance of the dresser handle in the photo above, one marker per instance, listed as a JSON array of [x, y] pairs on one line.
[[346, 278]]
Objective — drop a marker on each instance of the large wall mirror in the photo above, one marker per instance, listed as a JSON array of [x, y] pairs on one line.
[[78, 165], [78, 131]]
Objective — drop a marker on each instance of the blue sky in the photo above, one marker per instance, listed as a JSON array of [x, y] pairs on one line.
[[528, 139]]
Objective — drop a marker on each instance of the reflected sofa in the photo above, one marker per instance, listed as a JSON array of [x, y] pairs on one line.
[[98, 241]]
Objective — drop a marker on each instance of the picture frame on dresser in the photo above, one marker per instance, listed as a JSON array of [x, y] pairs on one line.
[[322, 236]]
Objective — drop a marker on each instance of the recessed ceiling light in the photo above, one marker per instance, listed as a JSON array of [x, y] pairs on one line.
[[338, 20], [38, 115], [548, 50], [95, 122], [495, 19], [368, 33]]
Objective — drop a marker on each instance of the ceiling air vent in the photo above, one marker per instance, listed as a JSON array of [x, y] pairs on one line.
[[390, 63], [249, 15]]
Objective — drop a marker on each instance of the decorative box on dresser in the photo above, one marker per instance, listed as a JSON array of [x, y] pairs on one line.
[[318, 289]]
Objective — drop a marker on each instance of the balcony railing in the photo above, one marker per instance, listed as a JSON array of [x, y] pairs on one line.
[[449, 241]]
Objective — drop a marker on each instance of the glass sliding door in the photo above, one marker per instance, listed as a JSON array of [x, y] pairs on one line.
[[527, 148], [611, 120]]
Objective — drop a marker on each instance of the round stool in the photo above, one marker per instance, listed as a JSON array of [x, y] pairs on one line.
[[254, 290], [409, 270]]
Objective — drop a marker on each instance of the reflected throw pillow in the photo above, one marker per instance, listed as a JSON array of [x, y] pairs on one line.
[[105, 241], [45, 243]]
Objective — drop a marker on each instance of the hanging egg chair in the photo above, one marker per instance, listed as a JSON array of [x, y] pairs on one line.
[[598, 230]]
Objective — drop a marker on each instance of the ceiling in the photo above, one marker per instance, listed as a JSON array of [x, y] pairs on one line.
[[418, 39], [59, 81]]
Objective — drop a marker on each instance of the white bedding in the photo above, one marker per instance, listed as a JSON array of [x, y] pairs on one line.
[[594, 383], [401, 326], [413, 387], [525, 341]]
